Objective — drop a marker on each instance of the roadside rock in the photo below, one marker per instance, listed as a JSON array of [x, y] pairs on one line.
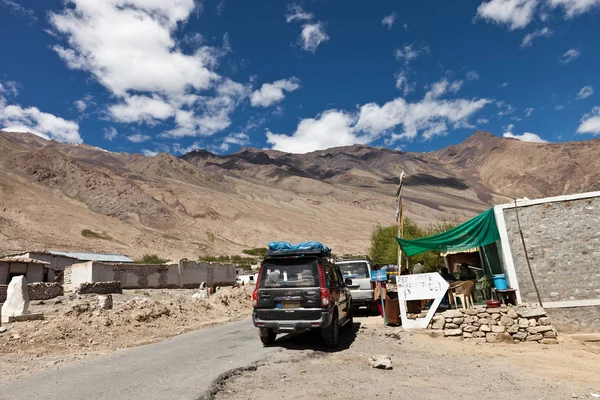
[[381, 362], [451, 326], [513, 329], [438, 322], [535, 338], [539, 329], [453, 332], [17, 298], [520, 336], [498, 329], [485, 328], [507, 321], [512, 314], [3, 329], [498, 338], [531, 312], [550, 335], [452, 314], [523, 323], [105, 302]]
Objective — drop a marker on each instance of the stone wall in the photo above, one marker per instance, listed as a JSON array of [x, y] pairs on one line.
[[100, 288], [44, 290], [563, 244], [576, 319], [496, 325]]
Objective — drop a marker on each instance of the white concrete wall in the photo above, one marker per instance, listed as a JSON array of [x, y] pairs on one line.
[[56, 262], [81, 273]]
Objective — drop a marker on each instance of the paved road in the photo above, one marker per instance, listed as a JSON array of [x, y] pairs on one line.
[[179, 368]]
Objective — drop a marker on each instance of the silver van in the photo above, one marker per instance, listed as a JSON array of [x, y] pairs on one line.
[[358, 269]]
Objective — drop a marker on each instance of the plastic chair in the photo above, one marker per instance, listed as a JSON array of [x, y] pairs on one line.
[[466, 301], [483, 285]]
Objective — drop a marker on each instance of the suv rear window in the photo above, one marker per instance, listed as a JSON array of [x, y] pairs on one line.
[[289, 273], [354, 269]]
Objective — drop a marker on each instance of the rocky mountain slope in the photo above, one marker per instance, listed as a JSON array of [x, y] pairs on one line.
[[78, 197]]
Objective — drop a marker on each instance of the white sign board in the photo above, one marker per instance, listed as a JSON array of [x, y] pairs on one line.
[[420, 287]]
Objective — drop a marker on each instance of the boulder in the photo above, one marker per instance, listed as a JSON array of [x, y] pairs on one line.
[[533, 322], [498, 329], [498, 338], [438, 322], [3, 329], [535, 338], [451, 326], [17, 298], [470, 328], [201, 295], [512, 329], [531, 312], [467, 335], [523, 323], [105, 302], [448, 320], [470, 312], [453, 332], [512, 314], [549, 341], [544, 321], [539, 329], [468, 320], [507, 321], [381, 362], [458, 321], [485, 328], [484, 321], [520, 336], [483, 315], [550, 335], [495, 316], [479, 334], [452, 314]]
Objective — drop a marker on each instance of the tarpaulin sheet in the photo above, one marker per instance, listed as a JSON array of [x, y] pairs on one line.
[[477, 232]]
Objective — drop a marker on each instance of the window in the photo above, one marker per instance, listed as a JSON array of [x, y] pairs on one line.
[[332, 276], [289, 273], [355, 269]]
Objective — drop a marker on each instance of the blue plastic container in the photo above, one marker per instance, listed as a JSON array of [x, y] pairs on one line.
[[500, 282]]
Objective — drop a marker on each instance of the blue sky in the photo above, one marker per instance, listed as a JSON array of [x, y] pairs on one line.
[[150, 76]]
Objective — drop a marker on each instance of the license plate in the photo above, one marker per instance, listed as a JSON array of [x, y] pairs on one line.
[[290, 304]]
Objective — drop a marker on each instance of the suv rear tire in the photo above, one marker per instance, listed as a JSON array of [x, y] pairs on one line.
[[331, 334], [267, 336]]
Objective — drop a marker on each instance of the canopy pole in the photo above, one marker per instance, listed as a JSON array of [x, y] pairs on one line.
[[537, 292], [399, 218]]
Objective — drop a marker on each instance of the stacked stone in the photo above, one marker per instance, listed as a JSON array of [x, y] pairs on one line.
[[496, 325]]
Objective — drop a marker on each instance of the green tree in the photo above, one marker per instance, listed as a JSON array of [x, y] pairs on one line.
[[150, 259], [384, 247]]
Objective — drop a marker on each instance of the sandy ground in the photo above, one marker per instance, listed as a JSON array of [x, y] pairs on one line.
[[74, 329], [424, 368]]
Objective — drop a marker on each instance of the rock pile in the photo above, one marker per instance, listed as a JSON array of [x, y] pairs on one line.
[[100, 288], [496, 325], [44, 290]]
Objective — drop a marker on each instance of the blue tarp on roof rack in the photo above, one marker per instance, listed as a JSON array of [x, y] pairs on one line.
[[304, 246]]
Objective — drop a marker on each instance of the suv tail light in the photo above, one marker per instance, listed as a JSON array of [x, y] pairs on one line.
[[255, 291], [323, 283]]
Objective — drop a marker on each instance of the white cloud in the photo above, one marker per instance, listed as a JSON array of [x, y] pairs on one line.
[[528, 112], [405, 26], [569, 56], [585, 92], [505, 109], [574, 8], [312, 36], [516, 14], [149, 153], [296, 13], [17, 9], [525, 137], [271, 93], [559, 107], [110, 133], [472, 75], [431, 116], [31, 119], [590, 123], [389, 20], [129, 47], [9, 88], [138, 138], [410, 52], [403, 84], [482, 121], [220, 7], [236, 139], [504, 84], [82, 104], [528, 39]]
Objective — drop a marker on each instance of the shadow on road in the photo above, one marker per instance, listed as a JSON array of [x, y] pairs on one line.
[[312, 340]]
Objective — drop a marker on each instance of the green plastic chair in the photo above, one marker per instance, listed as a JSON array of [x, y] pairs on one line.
[[483, 285]]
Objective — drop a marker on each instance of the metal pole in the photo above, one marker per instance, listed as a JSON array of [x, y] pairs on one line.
[[537, 292], [382, 302]]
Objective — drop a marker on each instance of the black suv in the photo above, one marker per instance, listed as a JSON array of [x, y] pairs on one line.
[[298, 291]]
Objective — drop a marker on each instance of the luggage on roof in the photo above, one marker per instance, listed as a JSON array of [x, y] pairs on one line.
[[312, 247]]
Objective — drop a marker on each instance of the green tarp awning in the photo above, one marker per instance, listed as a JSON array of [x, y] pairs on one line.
[[478, 232]]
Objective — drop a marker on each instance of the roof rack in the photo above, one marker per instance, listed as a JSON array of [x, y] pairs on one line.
[[350, 257], [283, 253]]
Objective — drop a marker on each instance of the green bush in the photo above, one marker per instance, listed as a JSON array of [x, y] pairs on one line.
[[151, 259], [256, 252]]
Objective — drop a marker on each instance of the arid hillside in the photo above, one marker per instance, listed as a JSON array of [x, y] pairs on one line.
[[78, 197]]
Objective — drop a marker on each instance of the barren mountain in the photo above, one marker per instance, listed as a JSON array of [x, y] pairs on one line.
[[79, 197]]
